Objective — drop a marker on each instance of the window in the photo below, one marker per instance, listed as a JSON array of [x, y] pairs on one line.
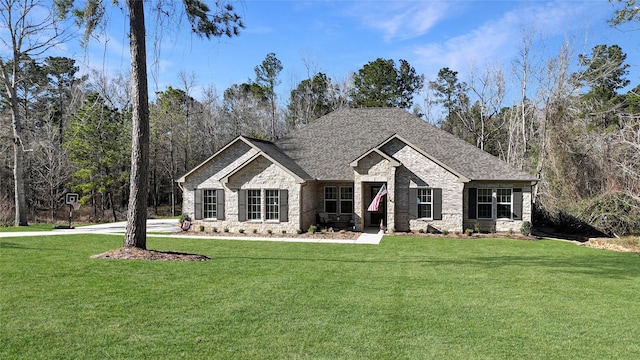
[[338, 202], [209, 202], [485, 203], [503, 200], [263, 205], [330, 199], [346, 200], [272, 198], [254, 205], [425, 203]]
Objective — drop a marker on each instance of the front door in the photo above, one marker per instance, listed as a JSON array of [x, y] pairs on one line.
[[381, 215]]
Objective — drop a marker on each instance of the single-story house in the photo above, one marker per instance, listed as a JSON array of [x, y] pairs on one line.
[[328, 173]]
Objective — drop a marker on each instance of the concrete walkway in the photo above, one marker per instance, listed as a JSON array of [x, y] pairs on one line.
[[169, 226]]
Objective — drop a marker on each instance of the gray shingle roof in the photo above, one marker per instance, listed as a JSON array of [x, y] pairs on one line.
[[325, 148]]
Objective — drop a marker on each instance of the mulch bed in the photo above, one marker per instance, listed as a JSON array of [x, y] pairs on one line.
[[133, 253]]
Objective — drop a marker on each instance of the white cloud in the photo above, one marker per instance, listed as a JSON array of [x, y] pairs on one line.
[[400, 20], [498, 40]]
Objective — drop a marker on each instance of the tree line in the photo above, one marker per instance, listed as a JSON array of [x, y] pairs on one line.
[[577, 131]]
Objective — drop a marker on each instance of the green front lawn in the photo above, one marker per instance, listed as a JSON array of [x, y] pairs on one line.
[[408, 298], [31, 227]]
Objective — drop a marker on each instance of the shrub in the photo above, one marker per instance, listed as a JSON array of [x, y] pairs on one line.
[[299, 231], [226, 229], [456, 233], [526, 228], [445, 232], [284, 231], [476, 227], [214, 229], [269, 231], [184, 217], [468, 231], [201, 228], [312, 229], [241, 231], [421, 231], [255, 231]]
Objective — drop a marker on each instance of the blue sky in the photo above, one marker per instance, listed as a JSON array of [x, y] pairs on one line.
[[339, 37]]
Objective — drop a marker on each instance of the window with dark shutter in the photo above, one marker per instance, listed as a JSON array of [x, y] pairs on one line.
[[517, 204], [220, 204], [472, 203], [284, 205], [242, 205], [197, 204], [437, 204], [413, 203]]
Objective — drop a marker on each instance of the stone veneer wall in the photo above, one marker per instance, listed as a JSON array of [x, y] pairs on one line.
[[418, 170], [259, 174], [500, 225], [376, 169]]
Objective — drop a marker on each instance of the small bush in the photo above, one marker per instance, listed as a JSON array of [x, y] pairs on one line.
[[255, 231], [201, 228], [226, 229], [299, 231], [526, 228], [421, 231], [456, 233], [468, 232], [184, 217], [214, 229], [241, 231], [284, 231], [312, 229], [476, 227], [269, 231], [343, 231], [445, 232]]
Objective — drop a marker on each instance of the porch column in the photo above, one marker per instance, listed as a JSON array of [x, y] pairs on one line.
[[391, 199], [358, 208]]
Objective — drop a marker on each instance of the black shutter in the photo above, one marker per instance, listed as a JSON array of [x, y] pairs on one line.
[[242, 205], [473, 198], [220, 204], [413, 203], [284, 206], [517, 204], [437, 203], [197, 204]]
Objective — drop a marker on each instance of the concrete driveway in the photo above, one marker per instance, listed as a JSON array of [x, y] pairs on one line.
[[153, 226]]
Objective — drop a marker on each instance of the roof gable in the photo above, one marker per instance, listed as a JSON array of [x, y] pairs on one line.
[[262, 148]]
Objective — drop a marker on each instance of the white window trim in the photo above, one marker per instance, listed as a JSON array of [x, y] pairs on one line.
[[263, 206], [204, 204], [338, 200], [425, 203], [277, 205], [494, 204], [510, 203]]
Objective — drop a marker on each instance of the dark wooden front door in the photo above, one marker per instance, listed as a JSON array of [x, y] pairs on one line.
[[380, 215]]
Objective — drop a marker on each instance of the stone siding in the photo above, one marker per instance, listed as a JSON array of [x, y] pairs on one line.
[[418, 170], [499, 225], [260, 173]]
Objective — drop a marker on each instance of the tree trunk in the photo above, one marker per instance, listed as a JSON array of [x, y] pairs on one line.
[[135, 235], [18, 164]]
